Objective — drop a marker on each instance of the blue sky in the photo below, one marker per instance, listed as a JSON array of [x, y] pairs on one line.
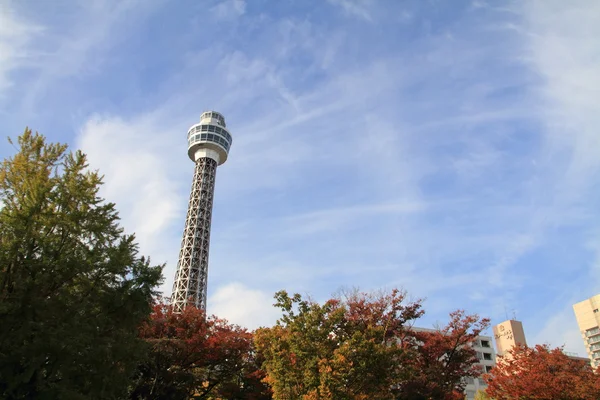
[[449, 148]]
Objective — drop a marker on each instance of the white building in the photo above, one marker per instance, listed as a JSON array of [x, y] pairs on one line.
[[588, 319], [487, 359]]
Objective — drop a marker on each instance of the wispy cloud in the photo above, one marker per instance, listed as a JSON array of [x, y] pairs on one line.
[[229, 9], [333, 220], [247, 307], [448, 148], [296, 145], [560, 329], [563, 51], [15, 36], [356, 8], [133, 157], [79, 51]]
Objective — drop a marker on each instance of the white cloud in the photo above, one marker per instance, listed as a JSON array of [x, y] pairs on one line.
[[561, 330], [564, 52], [336, 219], [562, 49], [229, 9], [15, 36], [92, 28], [140, 169], [409, 167], [242, 305], [517, 247], [357, 8], [272, 149], [238, 68]]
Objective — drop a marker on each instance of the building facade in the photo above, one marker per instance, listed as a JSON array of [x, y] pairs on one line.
[[508, 334], [487, 360], [209, 142], [588, 319]]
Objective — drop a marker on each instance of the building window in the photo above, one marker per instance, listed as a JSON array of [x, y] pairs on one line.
[[487, 356], [488, 368], [485, 343]]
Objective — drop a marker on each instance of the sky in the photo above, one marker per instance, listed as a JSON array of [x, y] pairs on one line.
[[448, 148]]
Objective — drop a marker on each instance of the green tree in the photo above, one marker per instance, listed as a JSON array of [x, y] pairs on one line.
[[344, 349], [73, 288]]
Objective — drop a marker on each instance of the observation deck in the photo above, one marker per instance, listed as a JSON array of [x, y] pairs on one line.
[[209, 138]]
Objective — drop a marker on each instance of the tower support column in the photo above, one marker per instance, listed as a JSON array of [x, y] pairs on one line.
[[192, 268], [209, 142]]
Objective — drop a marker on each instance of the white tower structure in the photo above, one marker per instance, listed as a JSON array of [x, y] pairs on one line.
[[208, 146]]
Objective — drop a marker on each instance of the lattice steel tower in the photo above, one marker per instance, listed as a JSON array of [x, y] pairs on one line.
[[208, 146]]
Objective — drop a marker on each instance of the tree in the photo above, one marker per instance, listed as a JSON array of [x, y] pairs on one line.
[[443, 358], [347, 348], [193, 356], [73, 288], [541, 373], [481, 395]]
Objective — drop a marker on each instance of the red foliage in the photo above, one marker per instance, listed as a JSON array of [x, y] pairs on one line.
[[541, 373], [443, 358], [195, 355]]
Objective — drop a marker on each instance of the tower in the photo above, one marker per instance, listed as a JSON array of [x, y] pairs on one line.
[[588, 319], [509, 334], [208, 146]]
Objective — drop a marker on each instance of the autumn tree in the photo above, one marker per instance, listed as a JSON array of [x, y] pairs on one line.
[[482, 395], [73, 288], [194, 356], [346, 348], [442, 359], [541, 373]]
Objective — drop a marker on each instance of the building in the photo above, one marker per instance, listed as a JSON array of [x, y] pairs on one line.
[[508, 334], [588, 319], [209, 142], [576, 357], [487, 360]]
